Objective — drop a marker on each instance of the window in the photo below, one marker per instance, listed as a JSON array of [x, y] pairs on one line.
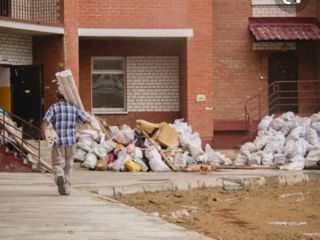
[[108, 84]]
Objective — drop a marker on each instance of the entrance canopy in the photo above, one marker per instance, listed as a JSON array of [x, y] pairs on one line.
[[284, 28]]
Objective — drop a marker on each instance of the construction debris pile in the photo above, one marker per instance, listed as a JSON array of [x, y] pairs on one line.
[[149, 147], [288, 140]]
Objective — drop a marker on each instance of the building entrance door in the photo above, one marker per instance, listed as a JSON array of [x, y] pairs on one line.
[[26, 95], [283, 67]]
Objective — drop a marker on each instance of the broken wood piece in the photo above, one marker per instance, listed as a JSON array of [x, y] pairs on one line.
[[199, 167], [165, 159], [148, 127], [104, 130]]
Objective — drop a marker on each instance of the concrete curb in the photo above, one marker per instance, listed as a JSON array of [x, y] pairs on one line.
[[227, 183]]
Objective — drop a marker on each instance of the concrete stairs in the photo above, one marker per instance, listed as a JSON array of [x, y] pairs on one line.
[[10, 162]]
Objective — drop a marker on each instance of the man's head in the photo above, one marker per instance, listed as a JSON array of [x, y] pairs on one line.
[[60, 96]]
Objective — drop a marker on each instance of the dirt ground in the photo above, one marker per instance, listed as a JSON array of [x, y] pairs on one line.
[[271, 212]]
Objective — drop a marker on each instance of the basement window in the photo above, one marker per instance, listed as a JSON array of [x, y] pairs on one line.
[[108, 84]]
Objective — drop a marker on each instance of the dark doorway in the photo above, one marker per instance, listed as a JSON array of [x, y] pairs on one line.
[[283, 67], [5, 8], [27, 92]]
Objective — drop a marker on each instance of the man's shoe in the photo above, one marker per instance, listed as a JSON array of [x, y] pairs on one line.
[[60, 183]]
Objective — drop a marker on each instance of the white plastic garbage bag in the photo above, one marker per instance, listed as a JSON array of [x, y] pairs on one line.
[[125, 135], [267, 158], [288, 116], [279, 158], [315, 117], [181, 127], [294, 166], [276, 124], [155, 161], [304, 122], [94, 134], [316, 126], [312, 136], [100, 151], [265, 122], [241, 160], [248, 148], [84, 146], [300, 148], [209, 157], [90, 162], [195, 151], [255, 158], [297, 132], [224, 160], [289, 148], [108, 145], [313, 155], [119, 164], [179, 161]]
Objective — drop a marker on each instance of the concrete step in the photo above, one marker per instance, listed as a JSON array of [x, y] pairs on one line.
[[9, 162]]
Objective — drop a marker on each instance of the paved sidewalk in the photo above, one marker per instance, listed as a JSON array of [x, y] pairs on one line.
[[32, 209]]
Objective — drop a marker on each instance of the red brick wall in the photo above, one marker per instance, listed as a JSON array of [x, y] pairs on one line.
[[48, 51], [71, 42], [309, 66], [196, 61], [132, 14], [125, 47], [200, 67], [183, 84], [237, 68]]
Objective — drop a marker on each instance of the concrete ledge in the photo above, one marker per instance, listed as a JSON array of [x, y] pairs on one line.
[[128, 189], [228, 183], [155, 187]]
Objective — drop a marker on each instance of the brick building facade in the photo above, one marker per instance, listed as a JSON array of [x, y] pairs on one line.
[[191, 59]]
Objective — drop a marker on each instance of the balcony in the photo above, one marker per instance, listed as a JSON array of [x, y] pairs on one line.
[[36, 11]]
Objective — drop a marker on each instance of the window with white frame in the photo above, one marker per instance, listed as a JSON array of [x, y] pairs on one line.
[[108, 84]]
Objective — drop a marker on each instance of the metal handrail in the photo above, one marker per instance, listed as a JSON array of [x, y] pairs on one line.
[[19, 133], [273, 100]]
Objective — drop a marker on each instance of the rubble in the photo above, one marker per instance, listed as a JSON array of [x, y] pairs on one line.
[[289, 141], [158, 147]]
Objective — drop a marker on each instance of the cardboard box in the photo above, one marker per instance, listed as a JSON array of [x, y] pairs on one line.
[[148, 127], [166, 136], [102, 165]]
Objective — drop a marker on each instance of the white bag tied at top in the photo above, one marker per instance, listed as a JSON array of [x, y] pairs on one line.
[[155, 161], [313, 155], [247, 148], [241, 160], [90, 161], [119, 164], [265, 122], [312, 136]]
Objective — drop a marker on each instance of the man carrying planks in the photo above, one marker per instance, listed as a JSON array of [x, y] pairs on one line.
[[63, 116]]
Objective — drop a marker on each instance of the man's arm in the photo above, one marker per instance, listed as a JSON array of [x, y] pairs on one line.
[[44, 125]]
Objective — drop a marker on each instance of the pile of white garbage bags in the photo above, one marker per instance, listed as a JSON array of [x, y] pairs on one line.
[[288, 138], [124, 152]]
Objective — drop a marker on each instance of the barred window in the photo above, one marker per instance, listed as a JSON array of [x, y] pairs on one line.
[[108, 84]]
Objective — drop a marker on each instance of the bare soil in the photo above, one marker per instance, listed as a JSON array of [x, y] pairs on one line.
[[239, 214]]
